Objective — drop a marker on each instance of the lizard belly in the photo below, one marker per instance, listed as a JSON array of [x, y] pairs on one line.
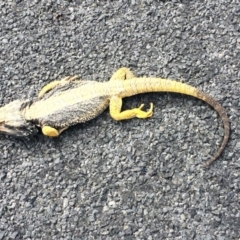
[[67, 108]]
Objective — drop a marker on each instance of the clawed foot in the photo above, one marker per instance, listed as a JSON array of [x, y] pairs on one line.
[[143, 114]]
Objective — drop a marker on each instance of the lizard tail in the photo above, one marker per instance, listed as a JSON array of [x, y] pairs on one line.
[[141, 85], [223, 115]]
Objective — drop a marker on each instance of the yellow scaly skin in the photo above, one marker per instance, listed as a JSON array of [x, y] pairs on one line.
[[70, 101]]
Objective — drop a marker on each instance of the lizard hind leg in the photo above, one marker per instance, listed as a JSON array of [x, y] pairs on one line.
[[115, 110], [115, 104], [55, 83], [122, 74]]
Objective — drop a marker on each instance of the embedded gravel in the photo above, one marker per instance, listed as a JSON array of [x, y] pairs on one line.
[[136, 179]]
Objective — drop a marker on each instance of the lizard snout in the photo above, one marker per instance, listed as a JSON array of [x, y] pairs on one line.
[[12, 121]]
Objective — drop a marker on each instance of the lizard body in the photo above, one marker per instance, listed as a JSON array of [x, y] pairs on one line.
[[69, 101]]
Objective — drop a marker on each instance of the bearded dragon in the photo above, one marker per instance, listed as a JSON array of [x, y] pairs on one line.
[[69, 101]]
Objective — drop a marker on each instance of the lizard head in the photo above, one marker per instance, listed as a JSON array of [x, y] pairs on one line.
[[12, 121]]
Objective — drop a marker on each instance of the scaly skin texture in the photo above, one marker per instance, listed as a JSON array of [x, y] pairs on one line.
[[70, 101]]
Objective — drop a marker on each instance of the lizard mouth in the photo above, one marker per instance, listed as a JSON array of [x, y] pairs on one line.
[[3, 129], [20, 131], [9, 130], [13, 123]]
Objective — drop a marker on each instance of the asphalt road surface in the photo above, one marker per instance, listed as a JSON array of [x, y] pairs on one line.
[[135, 179]]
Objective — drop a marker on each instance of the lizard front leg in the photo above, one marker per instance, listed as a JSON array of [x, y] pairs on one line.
[[52, 132], [55, 83], [122, 74], [115, 106]]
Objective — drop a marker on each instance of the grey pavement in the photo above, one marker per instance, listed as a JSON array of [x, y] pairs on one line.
[[135, 179]]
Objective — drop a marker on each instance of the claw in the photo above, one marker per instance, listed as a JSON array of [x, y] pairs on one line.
[[141, 106], [143, 114]]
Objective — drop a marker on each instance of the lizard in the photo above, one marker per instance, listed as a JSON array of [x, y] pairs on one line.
[[66, 102]]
